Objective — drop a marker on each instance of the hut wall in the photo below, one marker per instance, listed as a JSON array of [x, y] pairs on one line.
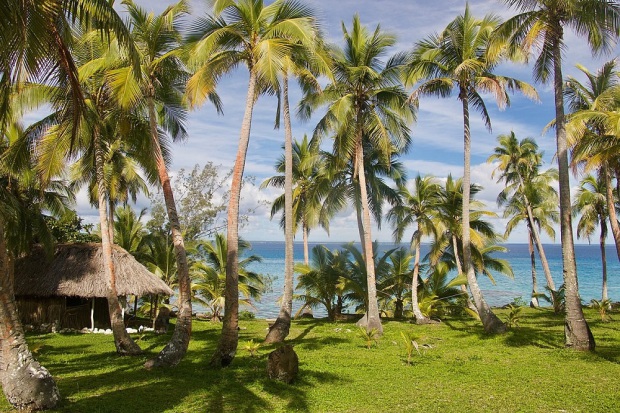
[[102, 313], [37, 311], [71, 312]]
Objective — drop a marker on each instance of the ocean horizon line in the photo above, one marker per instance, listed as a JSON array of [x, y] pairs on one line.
[[592, 244]]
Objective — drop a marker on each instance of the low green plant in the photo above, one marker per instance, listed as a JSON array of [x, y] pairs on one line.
[[252, 347], [514, 316], [602, 307], [411, 345], [556, 298], [246, 315], [518, 302], [370, 337]]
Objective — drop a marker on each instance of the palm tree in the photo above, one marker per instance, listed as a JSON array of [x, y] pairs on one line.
[[261, 37], [22, 201], [355, 277], [129, 230], [122, 163], [305, 59], [102, 121], [209, 275], [158, 93], [367, 111], [463, 57], [310, 187], [158, 256], [519, 163], [129, 233], [593, 144], [448, 219], [541, 24], [322, 280], [591, 203], [417, 206], [394, 283], [542, 199], [36, 39]]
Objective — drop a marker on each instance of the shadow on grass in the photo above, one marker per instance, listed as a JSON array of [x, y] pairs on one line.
[[537, 329], [92, 379]]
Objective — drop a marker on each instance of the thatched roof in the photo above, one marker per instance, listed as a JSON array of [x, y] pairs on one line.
[[77, 270]]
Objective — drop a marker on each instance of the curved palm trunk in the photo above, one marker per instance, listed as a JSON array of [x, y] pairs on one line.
[[227, 346], [490, 322], [539, 246], [280, 329], [530, 244], [577, 333], [611, 207], [26, 384], [372, 315], [125, 346], [459, 268], [419, 317], [176, 348], [603, 256]]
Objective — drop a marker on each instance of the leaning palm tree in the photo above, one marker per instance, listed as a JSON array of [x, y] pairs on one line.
[[36, 38], [519, 163], [261, 37], [594, 145], [417, 206], [367, 111], [591, 204], [59, 139], [448, 219], [542, 200], [463, 57], [541, 25], [157, 93], [26, 384]]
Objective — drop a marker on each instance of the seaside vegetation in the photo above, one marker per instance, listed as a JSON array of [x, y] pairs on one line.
[[458, 368], [117, 93]]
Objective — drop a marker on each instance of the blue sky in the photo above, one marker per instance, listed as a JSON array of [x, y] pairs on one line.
[[437, 136]]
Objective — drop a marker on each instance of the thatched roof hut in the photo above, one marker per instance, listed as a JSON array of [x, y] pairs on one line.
[[77, 270], [70, 289]]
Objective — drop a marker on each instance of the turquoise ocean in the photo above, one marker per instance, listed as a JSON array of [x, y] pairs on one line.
[[505, 290]]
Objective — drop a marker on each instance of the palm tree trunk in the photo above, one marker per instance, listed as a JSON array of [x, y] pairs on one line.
[[611, 207], [360, 224], [176, 348], [227, 346], [459, 269], [122, 340], [530, 244], [419, 317], [491, 323], [372, 315], [26, 384], [539, 246], [577, 333], [305, 235], [280, 329], [603, 256]]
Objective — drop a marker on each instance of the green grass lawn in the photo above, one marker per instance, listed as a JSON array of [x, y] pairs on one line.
[[525, 370]]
